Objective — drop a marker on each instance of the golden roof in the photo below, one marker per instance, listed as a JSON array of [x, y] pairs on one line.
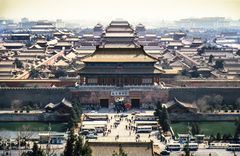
[[123, 34], [120, 71], [119, 55]]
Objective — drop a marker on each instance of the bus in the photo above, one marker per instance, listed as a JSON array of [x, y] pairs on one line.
[[233, 147], [217, 146], [96, 117], [144, 129], [145, 117], [95, 124], [153, 124], [173, 147], [193, 146], [94, 128]]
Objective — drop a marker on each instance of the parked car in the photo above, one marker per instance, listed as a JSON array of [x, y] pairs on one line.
[[136, 112], [233, 147], [99, 130], [154, 133], [85, 132], [165, 153], [123, 115], [93, 111], [91, 136]]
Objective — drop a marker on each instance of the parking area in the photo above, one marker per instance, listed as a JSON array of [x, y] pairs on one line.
[[138, 126], [122, 127]]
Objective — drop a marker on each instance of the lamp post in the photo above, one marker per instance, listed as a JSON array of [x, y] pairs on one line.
[[19, 146], [186, 148], [48, 148]]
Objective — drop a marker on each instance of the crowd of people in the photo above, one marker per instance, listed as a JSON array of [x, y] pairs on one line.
[[116, 121]]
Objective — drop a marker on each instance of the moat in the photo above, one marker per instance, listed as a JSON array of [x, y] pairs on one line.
[[33, 126]]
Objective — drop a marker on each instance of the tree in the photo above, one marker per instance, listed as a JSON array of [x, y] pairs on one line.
[[184, 72], [237, 131], [24, 134], [69, 148], [186, 150], [216, 101], [165, 122], [78, 146], [200, 51], [77, 108], [36, 151], [18, 63], [28, 109], [238, 52], [34, 73], [163, 117], [237, 103], [211, 139], [194, 72], [75, 114], [158, 109], [120, 153], [210, 58], [186, 147], [195, 128], [86, 150], [218, 136], [207, 102], [60, 73], [71, 123], [218, 64], [224, 137], [73, 118]]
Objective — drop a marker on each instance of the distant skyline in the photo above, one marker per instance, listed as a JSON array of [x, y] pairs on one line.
[[107, 10]]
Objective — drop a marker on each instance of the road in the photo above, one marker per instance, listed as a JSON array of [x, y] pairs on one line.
[[206, 152]]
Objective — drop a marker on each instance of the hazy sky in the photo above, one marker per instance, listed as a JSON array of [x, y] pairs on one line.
[[106, 10]]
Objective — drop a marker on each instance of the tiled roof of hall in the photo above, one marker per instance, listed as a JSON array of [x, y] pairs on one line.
[[119, 22], [119, 34], [186, 105], [119, 29], [123, 54], [121, 70], [119, 45]]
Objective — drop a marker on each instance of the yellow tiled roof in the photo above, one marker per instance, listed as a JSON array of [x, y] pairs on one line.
[[113, 34], [124, 70], [119, 55]]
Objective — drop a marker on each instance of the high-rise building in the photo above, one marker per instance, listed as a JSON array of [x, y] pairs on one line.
[[60, 23]]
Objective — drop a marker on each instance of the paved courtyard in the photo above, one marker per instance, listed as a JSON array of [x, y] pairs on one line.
[[122, 130]]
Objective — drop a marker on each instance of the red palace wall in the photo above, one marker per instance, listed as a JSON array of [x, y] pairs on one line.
[[145, 97]]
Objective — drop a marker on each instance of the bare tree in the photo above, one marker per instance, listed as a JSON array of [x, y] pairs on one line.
[[24, 134], [202, 103]]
